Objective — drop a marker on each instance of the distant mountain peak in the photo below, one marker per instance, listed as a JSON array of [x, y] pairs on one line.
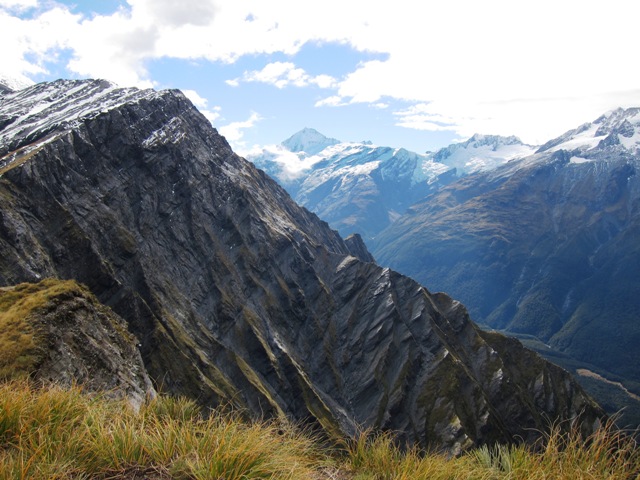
[[482, 152], [309, 141], [479, 139], [617, 127]]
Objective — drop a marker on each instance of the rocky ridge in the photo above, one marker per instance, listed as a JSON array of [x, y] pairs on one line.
[[238, 295]]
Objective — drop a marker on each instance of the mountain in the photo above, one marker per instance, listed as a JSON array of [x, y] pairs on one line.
[[481, 153], [237, 295], [10, 84], [546, 246], [308, 141], [362, 188]]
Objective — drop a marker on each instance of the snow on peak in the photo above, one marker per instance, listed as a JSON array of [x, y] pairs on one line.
[[618, 128], [13, 83], [308, 141], [482, 153], [35, 111]]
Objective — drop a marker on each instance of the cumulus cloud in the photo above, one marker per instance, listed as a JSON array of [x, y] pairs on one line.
[[291, 166], [29, 43], [176, 14], [18, 4], [476, 63], [234, 132], [201, 104], [332, 101], [284, 74]]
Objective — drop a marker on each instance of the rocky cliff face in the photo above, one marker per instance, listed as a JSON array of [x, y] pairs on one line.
[[546, 246], [236, 294]]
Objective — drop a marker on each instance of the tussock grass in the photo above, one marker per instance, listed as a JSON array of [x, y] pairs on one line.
[[608, 454], [20, 337], [52, 433]]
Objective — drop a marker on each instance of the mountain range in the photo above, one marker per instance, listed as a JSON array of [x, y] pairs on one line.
[[234, 293], [541, 242], [361, 188], [546, 246]]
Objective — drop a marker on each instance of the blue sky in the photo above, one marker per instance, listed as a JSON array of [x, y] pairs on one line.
[[418, 75]]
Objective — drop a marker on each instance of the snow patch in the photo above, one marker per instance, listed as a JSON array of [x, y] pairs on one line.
[[631, 143], [171, 132], [62, 104], [586, 140], [15, 82], [472, 157], [579, 160]]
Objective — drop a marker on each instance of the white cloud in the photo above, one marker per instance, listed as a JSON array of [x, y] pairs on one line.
[[27, 44], [332, 101], [201, 104], [291, 166], [175, 14], [18, 4], [234, 132], [284, 74], [496, 66]]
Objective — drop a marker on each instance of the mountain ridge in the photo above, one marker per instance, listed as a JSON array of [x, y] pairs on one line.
[[239, 296], [362, 188]]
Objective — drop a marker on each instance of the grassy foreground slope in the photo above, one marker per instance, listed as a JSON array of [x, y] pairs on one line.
[[49, 433]]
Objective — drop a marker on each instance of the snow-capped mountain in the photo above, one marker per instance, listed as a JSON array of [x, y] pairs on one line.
[[357, 187], [308, 141], [546, 246], [361, 188], [618, 130], [10, 83], [31, 112], [482, 153]]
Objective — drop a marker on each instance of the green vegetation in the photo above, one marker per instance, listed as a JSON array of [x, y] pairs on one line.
[[614, 400], [52, 433], [20, 337]]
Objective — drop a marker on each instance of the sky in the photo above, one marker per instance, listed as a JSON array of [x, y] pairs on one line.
[[402, 73]]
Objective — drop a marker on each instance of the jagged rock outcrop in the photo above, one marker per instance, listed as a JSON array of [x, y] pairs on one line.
[[75, 340], [236, 294], [358, 248]]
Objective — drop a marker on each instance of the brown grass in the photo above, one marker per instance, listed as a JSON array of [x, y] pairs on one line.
[[20, 337]]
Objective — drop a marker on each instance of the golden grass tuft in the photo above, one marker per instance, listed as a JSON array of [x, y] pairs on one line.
[[56, 433], [49, 433], [608, 454], [19, 335]]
